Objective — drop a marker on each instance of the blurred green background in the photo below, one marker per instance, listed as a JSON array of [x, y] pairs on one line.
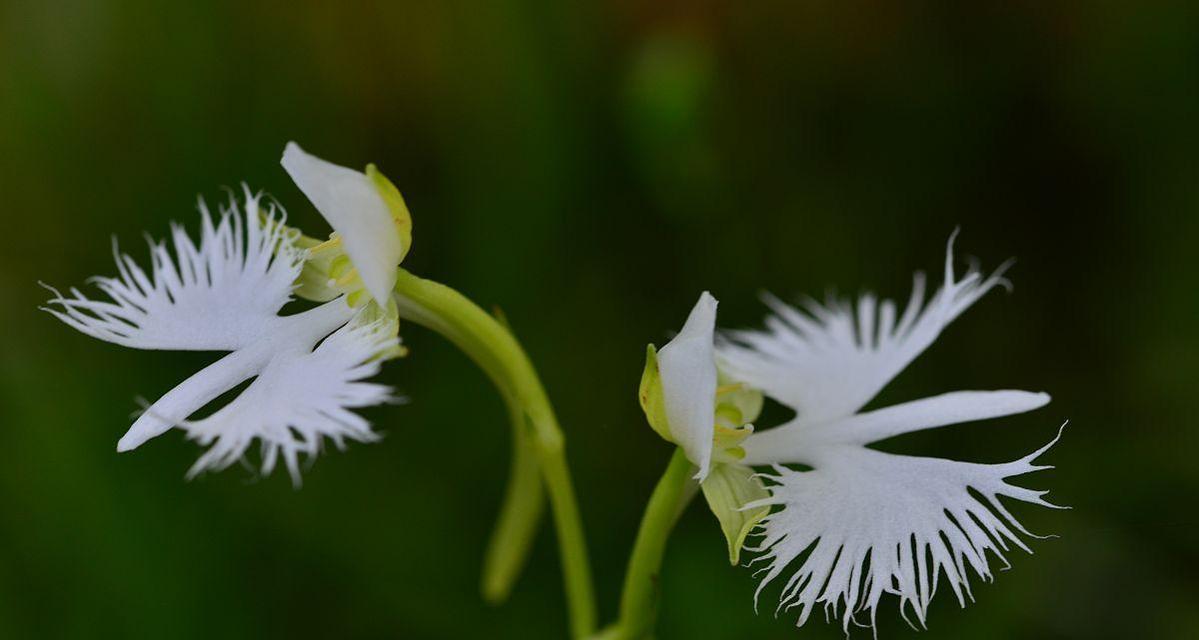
[[591, 167]]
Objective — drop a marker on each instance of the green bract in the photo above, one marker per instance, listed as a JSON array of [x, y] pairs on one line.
[[727, 489]]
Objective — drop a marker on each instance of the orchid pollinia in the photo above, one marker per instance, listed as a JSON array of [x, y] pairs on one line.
[[858, 522]]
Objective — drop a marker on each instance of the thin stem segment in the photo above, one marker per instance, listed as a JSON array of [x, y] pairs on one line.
[[639, 601], [493, 347], [520, 514]]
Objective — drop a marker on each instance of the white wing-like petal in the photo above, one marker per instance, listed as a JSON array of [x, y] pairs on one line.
[[219, 296], [292, 332], [301, 392], [687, 365], [830, 361], [796, 441], [192, 395], [874, 523], [302, 396], [356, 211]]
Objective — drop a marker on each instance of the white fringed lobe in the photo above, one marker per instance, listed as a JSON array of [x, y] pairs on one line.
[[218, 296], [225, 295], [830, 361], [871, 521]]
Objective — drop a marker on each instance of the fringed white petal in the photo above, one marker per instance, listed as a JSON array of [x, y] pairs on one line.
[[863, 523], [301, 393], [293, 332], [357, 212], [302, 396], [219, 296], [831, 360], [794, 442], [687, 365]]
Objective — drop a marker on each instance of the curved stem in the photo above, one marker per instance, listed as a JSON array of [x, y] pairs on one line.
[[639, 601], [520, 513], [489, 343]]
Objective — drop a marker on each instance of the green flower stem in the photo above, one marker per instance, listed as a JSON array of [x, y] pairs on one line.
[[489, 343], [639, 602]]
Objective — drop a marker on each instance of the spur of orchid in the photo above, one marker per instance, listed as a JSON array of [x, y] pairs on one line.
[[305, 323]]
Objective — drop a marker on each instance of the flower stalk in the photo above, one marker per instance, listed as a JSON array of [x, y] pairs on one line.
[[493, 347], [639, 600]]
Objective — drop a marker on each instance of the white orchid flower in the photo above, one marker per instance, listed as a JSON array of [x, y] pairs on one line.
[[873, 522], [306, 370]]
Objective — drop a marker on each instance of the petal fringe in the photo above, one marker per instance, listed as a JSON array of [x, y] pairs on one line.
[[863, 523], [218, 296], [827, 361]]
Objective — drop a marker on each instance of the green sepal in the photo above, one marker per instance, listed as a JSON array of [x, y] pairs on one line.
[[727, 489], [650, 395], [395, 203]]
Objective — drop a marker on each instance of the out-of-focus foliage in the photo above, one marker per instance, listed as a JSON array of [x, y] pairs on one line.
[[590, 167]]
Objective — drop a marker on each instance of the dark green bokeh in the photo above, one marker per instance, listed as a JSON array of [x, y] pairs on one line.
[[591, 167]]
